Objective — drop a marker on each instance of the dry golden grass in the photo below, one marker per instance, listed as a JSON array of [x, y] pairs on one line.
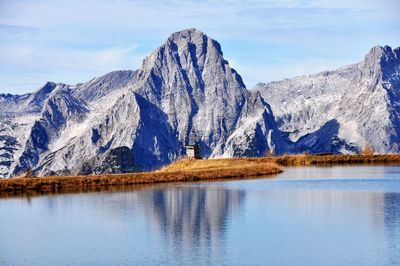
[[186, 171], [367, 150], [196, 173], [305, 159], [215, 164], [284, 160]]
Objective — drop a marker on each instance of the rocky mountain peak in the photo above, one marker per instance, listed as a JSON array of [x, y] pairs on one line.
[[340, 112], [378, 51], [191, 36], [186, 92], [190, 49], [188, 35], [46, 89], [380, 57], [203, 97], [188, 66]]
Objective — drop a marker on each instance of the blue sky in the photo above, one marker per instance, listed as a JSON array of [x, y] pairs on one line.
[[74, 40]]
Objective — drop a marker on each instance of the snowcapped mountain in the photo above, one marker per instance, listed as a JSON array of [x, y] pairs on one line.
[[342, 110], [204, 99], [34, 125], [184, 92]]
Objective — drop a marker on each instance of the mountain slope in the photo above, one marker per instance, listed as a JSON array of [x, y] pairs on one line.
[[41, 122], [203, 97], [342, 110], [184, 92]]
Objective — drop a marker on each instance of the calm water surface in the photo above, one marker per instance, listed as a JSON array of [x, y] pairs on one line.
[[305, 216]]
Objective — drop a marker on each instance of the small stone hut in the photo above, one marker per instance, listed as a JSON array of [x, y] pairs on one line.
[[193, 151]]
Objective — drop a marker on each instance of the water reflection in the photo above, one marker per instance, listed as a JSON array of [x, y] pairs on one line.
[[392, 227], [192, 221], [307, 216], [182, 221], [188, 214]]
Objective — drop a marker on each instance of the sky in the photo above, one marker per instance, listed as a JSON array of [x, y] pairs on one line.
[[72, 41]]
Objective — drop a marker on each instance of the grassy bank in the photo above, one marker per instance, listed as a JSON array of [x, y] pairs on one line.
[[305, 159], [232, 164], [232, 168], [284, 160], [187, 171]]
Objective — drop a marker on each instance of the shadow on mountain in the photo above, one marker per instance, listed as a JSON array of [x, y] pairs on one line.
[[117, 160], [325, 140]]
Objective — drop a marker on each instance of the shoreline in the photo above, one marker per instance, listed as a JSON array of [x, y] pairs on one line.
[[59, 184], [185, 171], [334, 159]]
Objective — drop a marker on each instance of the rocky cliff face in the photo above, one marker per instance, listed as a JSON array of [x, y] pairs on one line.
[[139, 120], [342, 110], [186, 92], [35, 125], [204, 99]]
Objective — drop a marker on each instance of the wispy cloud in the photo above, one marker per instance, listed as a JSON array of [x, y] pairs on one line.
[[70, 66], [74, 40], [17, 29]]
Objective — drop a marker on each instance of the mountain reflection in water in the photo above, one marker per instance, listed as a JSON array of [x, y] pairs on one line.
[[306, 216], [392, 227], [192, 221]]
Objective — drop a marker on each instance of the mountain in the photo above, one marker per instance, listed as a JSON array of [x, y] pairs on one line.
[[34, 125], [204, 99], [341, 111], [184, 92]]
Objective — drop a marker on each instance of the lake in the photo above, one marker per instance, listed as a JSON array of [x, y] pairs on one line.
[[347, 215]]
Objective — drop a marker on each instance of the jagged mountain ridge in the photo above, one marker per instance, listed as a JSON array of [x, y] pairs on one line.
[[189, 72], [41, 122], [341, 111], [184, 92]]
